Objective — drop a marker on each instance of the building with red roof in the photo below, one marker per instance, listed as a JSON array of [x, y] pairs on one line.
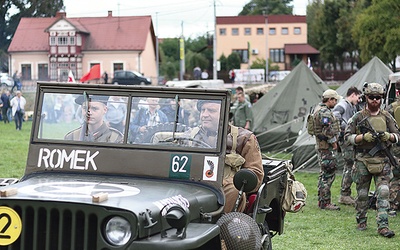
[[280, 38], [48, 48]]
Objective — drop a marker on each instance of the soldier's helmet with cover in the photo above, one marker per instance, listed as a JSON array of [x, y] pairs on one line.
[[373, 89]]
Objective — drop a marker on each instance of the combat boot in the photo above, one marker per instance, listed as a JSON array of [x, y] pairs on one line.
[[330, 206], [346, 200], [362, 226], [386, 232]]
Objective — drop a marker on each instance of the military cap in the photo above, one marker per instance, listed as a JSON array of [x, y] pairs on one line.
[[330, 93], [92, 98], [373, 88], [200, 103]]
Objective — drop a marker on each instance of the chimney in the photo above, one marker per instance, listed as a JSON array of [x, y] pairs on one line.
[[61, 14], [109, 13]]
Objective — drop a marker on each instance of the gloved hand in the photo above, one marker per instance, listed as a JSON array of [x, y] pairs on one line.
[[368, 137], [385, 136]]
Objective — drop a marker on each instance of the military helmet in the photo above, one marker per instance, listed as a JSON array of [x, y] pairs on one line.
[[373, 88]]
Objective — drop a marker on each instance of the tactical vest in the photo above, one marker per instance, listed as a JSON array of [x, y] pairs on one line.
[[396, 111]]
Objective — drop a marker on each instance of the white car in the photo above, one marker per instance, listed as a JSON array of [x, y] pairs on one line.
[[6, 80]]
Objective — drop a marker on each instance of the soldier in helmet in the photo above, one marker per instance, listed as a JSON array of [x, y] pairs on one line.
[[394, 196], [365, 129], [326, 131]]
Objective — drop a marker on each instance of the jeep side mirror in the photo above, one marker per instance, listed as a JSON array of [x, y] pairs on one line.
[[246, 178]]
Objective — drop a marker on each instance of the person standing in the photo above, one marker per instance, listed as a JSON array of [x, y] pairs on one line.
[[197, 73], [232, 75], [5, 98], [360, 132], [204, 75], [394, 185], [105, 77], [326, 130], [243, 115], [343, 111], [18, 109]]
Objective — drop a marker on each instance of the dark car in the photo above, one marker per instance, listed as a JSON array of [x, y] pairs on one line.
[[126, 77]]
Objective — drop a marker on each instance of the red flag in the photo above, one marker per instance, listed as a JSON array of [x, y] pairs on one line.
[[71, 77], [94, 73]]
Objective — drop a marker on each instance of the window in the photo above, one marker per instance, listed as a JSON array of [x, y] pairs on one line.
[[260, 31], [222, 31], [285, 31], [52, 40], [26, 72], [277, 55], [243, 53], [272, 31], [118, 66], [43, 71], [235, 31], [247, 31], [297, 30], [72, 40], [62, 40]]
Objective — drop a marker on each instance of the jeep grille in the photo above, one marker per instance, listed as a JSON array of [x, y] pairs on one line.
[[54, 226]]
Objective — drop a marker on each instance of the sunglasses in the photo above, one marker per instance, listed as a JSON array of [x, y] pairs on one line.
[[376, 97]]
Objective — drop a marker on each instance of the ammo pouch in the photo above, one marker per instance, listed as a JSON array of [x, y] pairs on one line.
[[374, 165], [233, 161]]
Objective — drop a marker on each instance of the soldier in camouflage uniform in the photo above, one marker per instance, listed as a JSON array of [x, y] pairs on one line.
[[326, 129], [360, 132], [394, 185], [343, 111]]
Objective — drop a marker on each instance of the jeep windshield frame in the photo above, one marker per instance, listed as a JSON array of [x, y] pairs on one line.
[[143, 141]]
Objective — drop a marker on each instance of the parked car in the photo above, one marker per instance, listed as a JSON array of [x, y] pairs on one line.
[[127, 77], [6, 80], [158, 189]]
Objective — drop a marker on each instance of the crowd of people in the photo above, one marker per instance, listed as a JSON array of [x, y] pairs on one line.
[[366, 136]]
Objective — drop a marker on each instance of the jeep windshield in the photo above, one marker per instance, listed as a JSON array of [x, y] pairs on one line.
[[142, 131]]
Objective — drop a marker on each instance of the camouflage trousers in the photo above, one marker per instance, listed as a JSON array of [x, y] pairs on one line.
[[327, 163], [348, 156], [394, 186], [362, 177]]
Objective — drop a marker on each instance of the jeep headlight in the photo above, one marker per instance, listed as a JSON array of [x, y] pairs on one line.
[[118, 231]]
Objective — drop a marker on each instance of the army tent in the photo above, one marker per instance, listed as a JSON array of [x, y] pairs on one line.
[[374, 71], [304, 155], [279, 114]]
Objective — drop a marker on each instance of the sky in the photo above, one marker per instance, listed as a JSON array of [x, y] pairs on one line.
[[170, 18]]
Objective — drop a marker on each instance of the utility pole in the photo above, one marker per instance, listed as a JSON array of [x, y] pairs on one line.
[[266, 48], [157, 54], [215, 45], [182, 54]]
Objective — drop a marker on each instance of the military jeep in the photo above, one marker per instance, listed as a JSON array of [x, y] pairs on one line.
[[152, 189]]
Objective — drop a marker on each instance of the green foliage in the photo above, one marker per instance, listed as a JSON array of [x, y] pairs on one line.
[[223, 62], [193, 59], [268, 7], [260, 64], [233, 61], [28, 8], [377, 31]]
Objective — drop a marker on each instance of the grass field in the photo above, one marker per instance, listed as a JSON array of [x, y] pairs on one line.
[[311, 228]]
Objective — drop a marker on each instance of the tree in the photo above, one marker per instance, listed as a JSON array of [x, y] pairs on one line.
[[28, 8], [233, 61], [223, 62], [377, 31], [267, 7]]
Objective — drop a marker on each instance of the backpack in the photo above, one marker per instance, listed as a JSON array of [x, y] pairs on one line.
[[310, 124], [295, 194]]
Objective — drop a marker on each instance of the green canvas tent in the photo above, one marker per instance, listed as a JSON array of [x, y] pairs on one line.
[[304, 155], [279, 114], [374, 71]]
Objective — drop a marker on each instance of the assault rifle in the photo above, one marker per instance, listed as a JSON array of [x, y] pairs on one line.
[[379, 144]]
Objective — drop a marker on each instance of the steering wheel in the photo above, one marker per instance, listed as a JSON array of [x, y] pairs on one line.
[[183, 139]]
